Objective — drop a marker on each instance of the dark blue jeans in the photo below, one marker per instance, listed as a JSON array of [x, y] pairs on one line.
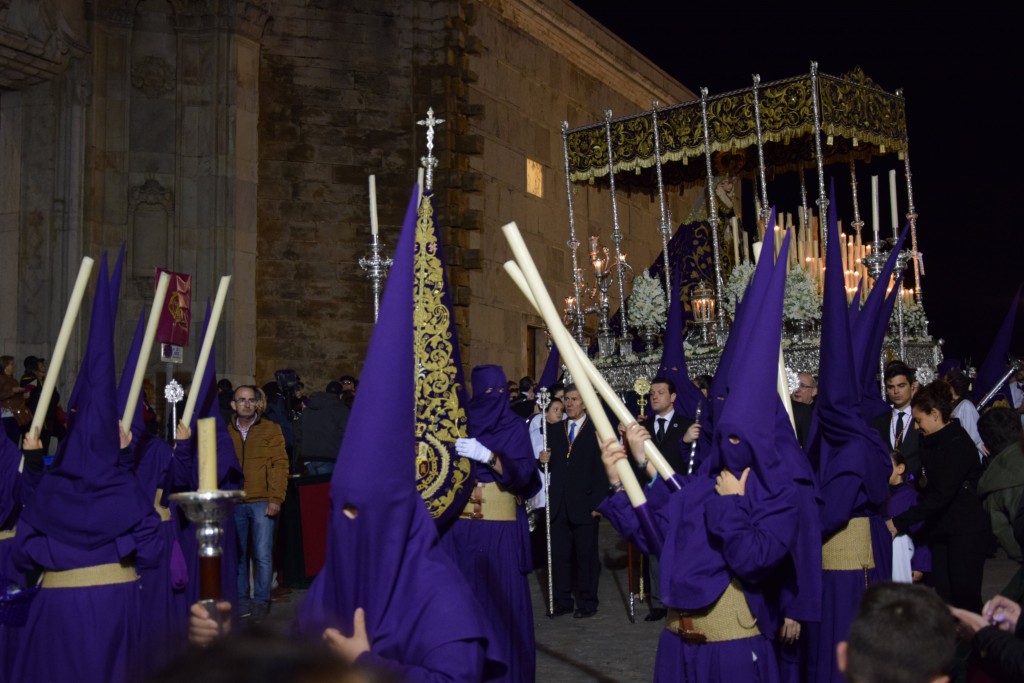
[[254, 516]]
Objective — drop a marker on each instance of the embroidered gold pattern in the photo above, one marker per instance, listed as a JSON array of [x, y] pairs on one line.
[[441, 475]]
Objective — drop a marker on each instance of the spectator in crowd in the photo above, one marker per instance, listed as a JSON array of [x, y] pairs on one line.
[[32, 383], [955, 524], [807, 389], [524, 405], [896, 426], [963, 408], [319, 430], [902, 632], [259, 446], [225, 393], [1001, 487], [12, 399]]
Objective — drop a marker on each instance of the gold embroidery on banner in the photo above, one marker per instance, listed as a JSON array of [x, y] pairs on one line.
[[440, 420]]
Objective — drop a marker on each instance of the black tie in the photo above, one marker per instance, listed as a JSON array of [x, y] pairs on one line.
[[660, 432], [899, 430]]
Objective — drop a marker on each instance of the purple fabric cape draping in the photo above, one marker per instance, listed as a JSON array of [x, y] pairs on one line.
[[853, 469], [712, 539], [551, 369], [86, 511], [494, 557], [422, 622], [994, 366]]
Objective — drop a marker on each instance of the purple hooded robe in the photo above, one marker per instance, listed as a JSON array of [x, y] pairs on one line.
[[422, 621]]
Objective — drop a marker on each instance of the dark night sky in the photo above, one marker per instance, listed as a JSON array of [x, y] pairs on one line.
[[961, 76]]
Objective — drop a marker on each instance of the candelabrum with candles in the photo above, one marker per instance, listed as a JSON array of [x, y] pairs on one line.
[[604, 268], [702, 298]]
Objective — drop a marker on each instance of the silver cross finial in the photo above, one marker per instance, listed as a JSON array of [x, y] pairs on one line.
[[429, 161]]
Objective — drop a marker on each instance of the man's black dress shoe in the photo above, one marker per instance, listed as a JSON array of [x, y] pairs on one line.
[[656, 614], [584, 613], [559, 611]]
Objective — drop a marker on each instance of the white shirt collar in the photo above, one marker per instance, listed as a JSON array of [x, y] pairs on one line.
[[667, 417]]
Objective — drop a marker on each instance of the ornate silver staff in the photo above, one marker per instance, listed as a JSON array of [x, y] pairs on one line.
[[858, 223], [376, 268], [912, 217], [713, 216], [664, 223], [620, 262], [543, 401], [1016, 365], [760, 153], [173, 393], [573, 244], [822, 197], [693, 446]]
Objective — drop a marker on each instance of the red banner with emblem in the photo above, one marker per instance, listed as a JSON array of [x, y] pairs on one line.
[[176, 314]]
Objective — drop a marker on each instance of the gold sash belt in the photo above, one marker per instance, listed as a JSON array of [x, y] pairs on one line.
[[6, 533], [490, 503], [729, 618], [849, 548], [97, 575]]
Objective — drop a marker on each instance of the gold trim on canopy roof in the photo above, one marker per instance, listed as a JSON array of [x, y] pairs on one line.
[[859, 120]]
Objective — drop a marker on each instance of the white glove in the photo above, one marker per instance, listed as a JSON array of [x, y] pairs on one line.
[[472, 449]]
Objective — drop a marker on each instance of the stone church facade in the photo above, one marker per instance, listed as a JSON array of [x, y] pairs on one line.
[[235, 137]]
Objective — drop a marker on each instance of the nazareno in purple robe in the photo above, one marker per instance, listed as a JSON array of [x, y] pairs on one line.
[[11, 487], [853, 469], [711, 540], [494, 556], [87, 510], [422, 622]]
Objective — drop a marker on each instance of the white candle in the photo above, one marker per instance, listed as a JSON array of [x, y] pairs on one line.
[[373, 205], [208, 454], [892, 204], [735, 240], [147, 347], [565, 344], [874, 205], [204, 352], [61, 347]]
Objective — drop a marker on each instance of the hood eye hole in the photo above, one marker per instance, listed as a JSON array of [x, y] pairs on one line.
[[350, 511], [734, 440]]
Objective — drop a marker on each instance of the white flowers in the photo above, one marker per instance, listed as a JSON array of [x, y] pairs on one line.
[[802, 300], [647, 308], [736, 285]]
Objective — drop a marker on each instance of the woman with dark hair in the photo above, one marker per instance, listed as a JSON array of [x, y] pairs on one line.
[[963, 408], [956, 526]]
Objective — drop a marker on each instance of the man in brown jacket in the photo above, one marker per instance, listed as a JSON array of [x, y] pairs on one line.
[[259, 446]]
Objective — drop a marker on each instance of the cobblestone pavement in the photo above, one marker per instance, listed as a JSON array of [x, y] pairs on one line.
[[606, 648]]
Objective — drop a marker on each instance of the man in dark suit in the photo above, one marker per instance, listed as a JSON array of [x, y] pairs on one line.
[[673, 434], [578, 485], [897, 426]]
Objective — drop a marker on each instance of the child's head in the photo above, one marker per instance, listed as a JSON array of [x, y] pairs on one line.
[[554, 411], [899, 468]]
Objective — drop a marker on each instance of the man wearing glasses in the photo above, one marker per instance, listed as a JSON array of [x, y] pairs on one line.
[[259, 445]]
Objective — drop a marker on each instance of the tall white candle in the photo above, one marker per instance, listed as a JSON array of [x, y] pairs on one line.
[[874, 205], [207, 454], [735, 240], [61, 347], [147, 347], [204, 352], [373, 205], [892, 204]]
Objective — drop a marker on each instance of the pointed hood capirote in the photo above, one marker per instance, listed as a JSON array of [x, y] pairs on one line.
[[745, 422], [994, 366], [382, 545], [842, 439], [86, 500], [552, 369]]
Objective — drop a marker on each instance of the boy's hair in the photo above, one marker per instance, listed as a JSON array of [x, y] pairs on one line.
[[902, 634], [896, 368], [999, 428]]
